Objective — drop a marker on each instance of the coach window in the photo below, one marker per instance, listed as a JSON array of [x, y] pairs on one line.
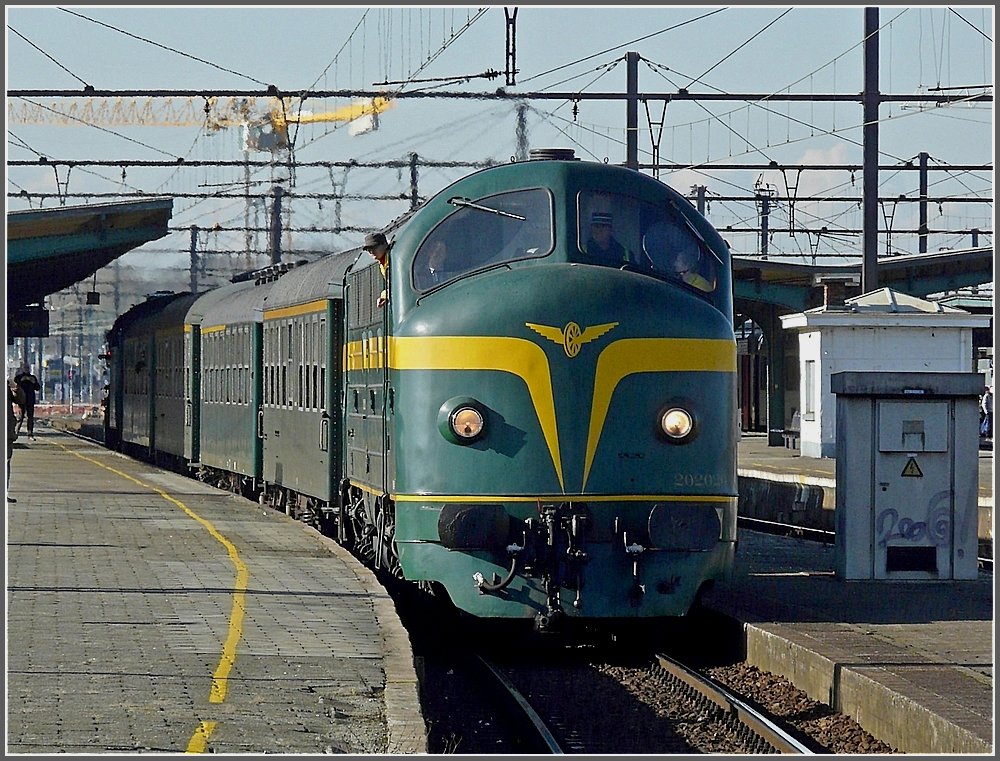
[[206, 376], [273, 364], [247, 344], [227, 366], [237, 364], [482, 233], [311, 368], [266, 364], [301, 344], [306, 362], [205, 369], [322, 362], [285, 338], [240, 355]]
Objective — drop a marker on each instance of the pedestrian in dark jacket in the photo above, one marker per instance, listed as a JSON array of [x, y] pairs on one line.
[[30, 387], [12, 391], [986, 417]]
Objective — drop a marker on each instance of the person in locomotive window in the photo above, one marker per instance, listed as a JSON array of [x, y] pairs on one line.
[[602, 242], [437, 260], [378, 246], [685, 266]]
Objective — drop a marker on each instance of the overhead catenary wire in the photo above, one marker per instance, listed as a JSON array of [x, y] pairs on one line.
[[164, 47], [76, 77], [742, 45], [623, 45], [963, 18]]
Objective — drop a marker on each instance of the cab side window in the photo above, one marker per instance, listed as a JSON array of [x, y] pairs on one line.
[[482, 233]]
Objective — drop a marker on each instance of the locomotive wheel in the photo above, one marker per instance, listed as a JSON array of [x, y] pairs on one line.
[[385, 534], [312, 515], [345, 533], [361, 528]]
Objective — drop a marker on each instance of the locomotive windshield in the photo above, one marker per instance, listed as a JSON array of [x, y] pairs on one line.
[[483, 232], [619, 231]]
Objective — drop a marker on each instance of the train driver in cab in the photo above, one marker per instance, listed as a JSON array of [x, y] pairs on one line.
[[378, 247], [602, 243], [685, 265], [437, 263]]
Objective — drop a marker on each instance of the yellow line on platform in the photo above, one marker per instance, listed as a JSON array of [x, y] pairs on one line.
[[199, 741], [220, 679]]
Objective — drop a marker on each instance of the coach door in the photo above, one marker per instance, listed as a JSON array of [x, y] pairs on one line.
[[192, 392], [366, 380]]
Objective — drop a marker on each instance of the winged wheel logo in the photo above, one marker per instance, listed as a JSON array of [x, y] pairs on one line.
[[571, 338]]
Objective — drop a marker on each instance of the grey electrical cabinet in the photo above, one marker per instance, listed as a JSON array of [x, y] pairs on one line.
[[907, 474]]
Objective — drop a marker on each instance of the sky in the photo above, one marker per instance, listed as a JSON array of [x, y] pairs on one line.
[[763, 50]]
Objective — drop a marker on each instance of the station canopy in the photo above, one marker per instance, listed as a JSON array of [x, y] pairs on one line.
[[49, 250], [791, 283]]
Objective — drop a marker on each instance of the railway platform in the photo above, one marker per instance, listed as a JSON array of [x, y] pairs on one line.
[[911, 661], [147, 612]]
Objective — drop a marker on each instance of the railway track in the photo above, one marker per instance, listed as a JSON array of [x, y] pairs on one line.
[[772, 734], [546, 737], [571, 708]]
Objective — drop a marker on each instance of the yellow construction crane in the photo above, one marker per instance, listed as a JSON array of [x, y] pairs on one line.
[[265, 121]]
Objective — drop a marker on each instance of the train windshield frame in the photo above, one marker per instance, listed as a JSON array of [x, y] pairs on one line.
[[617, 230], [485, 232]]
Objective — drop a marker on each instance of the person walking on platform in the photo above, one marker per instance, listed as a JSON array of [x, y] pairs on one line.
[[12, 425], [30, 387], [986, 405]]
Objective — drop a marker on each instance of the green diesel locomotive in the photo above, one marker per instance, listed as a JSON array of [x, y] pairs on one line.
[[538, 417]]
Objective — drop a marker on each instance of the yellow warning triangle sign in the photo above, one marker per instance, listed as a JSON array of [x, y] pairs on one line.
[[912, 469]]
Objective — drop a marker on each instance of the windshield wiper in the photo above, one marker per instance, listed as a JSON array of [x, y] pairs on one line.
[[458, 201]]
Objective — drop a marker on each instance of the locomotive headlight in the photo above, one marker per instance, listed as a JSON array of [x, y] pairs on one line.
[[676, 423], [466, 422], [462, 420]]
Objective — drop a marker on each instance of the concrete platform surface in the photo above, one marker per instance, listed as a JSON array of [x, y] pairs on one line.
[[147, 612]]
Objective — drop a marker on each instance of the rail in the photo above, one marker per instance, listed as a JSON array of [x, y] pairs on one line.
[[767, 730], [541, 728]]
